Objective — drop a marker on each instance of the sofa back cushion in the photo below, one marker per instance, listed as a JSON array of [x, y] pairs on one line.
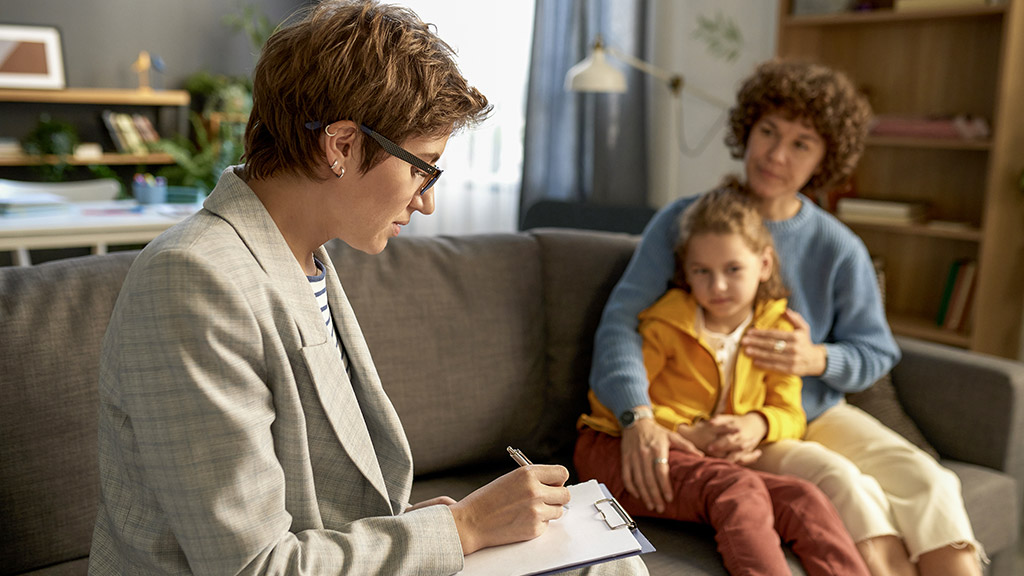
[[456, 330], [580, 269], [52, 320]]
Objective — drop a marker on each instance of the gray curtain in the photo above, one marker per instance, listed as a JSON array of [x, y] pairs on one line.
[[585, 147]]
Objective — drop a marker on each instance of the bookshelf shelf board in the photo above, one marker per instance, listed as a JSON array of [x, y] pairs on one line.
[[926, 329], [107, 159], [966, 234], [889, 15], [936, 143], [105, 96]]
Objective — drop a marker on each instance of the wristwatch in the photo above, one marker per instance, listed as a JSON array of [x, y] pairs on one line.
[[628, 418]]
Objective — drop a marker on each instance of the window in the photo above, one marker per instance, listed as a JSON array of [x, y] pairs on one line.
[[479, 191]]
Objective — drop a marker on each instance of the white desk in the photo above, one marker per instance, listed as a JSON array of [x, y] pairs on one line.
[[93, 224]]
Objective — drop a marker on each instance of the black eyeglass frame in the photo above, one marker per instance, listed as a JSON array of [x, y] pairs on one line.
[[433, 172]]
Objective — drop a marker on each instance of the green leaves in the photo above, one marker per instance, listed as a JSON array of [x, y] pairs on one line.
[[721, 35]]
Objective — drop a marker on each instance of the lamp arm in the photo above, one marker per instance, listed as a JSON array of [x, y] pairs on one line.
[[675, 81]]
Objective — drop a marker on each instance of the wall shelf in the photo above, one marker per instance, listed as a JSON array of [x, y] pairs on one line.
[[885, 15], [106, 159], [103, 96], [935, 143]]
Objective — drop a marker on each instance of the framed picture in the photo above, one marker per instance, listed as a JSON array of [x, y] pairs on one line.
[[30, 57]]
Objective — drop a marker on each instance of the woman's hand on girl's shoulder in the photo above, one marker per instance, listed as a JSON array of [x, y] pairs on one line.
[[786, 352]]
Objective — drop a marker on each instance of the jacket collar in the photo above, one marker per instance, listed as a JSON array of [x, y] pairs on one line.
[[678, 308]]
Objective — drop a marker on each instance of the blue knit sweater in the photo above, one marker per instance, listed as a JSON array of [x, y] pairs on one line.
[[832, 283]]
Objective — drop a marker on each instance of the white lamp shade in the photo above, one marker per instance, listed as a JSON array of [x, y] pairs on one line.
[[595, 74]]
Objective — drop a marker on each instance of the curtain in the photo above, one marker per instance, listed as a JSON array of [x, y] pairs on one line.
[[584, 147]]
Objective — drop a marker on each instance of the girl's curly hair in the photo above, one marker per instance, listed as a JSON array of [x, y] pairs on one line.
[[800, 90], [728, 210]]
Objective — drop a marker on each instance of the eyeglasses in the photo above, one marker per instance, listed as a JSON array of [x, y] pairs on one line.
[[431, 173]]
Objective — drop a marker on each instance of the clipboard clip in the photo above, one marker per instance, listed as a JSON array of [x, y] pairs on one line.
[[623, 518]]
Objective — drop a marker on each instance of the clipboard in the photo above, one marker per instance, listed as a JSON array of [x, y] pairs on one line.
[[593, 530]]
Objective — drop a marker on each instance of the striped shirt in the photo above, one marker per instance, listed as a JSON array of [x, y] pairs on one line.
[[319, 285]]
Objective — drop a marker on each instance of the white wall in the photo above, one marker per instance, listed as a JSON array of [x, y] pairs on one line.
[[673, 174]]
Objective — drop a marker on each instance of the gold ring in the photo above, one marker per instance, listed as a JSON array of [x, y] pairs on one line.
[[661, 460], [780, 346]]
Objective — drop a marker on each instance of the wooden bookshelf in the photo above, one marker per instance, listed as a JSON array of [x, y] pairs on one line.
[[938, 63], [108, 159], [102, 96], [94, 100]]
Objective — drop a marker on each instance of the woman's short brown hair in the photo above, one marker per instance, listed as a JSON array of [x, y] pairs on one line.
[[799, 90], [358, 60]]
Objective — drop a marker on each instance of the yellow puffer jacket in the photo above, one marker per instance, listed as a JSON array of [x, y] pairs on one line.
[[684, 377]]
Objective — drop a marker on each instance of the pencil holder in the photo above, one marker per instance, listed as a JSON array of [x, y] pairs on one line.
[[149, 193]]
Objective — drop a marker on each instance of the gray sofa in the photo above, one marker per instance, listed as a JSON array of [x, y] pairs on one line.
[[481, 342]]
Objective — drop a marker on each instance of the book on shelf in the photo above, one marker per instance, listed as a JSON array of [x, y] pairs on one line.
[[957, 295], [869, 211], [115, 136], [145, 128], [959, 127], [947, 293], [124, 133]]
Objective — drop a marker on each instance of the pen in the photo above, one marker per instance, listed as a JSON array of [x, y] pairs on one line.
[[518, 456]]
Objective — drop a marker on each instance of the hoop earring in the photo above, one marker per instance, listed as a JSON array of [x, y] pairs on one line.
[[328, 132], [335, 165], [341, 173]]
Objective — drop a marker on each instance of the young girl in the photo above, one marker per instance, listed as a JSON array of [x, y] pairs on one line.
[[706, 391]]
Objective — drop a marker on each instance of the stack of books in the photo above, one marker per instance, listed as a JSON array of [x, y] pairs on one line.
[[131, 133], [31, 204], [10, 148], [957, 296], [868, 211]]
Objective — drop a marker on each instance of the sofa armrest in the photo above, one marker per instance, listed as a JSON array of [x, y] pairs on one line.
[[970, 406]]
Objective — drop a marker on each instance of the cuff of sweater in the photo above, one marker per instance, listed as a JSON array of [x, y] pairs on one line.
[[626, 400], [836, 364]]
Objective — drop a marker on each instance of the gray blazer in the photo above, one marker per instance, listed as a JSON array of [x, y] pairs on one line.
[[231, 439]]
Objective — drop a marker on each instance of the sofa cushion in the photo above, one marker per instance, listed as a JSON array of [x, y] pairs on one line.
[[580, 269], [456, 330], [991, 501], [54, 315]]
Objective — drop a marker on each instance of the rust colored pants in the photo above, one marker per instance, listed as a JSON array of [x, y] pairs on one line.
[[751, 511]]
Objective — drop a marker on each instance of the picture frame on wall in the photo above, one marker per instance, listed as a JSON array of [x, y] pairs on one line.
[[31, 57]]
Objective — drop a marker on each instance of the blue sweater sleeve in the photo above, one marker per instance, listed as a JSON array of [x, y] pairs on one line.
[[617, 375], [860, 345]]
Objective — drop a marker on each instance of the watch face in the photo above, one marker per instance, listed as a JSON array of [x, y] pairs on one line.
[[627, 418]]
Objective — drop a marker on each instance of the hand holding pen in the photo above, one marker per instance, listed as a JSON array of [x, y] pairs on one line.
[[512, 508], [523, 461]]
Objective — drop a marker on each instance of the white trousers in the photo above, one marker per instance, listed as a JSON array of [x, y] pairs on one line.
[[880, 483]]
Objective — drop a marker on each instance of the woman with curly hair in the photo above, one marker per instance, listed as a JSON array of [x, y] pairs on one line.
[[799, 128]]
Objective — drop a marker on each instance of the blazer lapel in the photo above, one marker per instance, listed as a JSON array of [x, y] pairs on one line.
[[391, 445], [234, 201]]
